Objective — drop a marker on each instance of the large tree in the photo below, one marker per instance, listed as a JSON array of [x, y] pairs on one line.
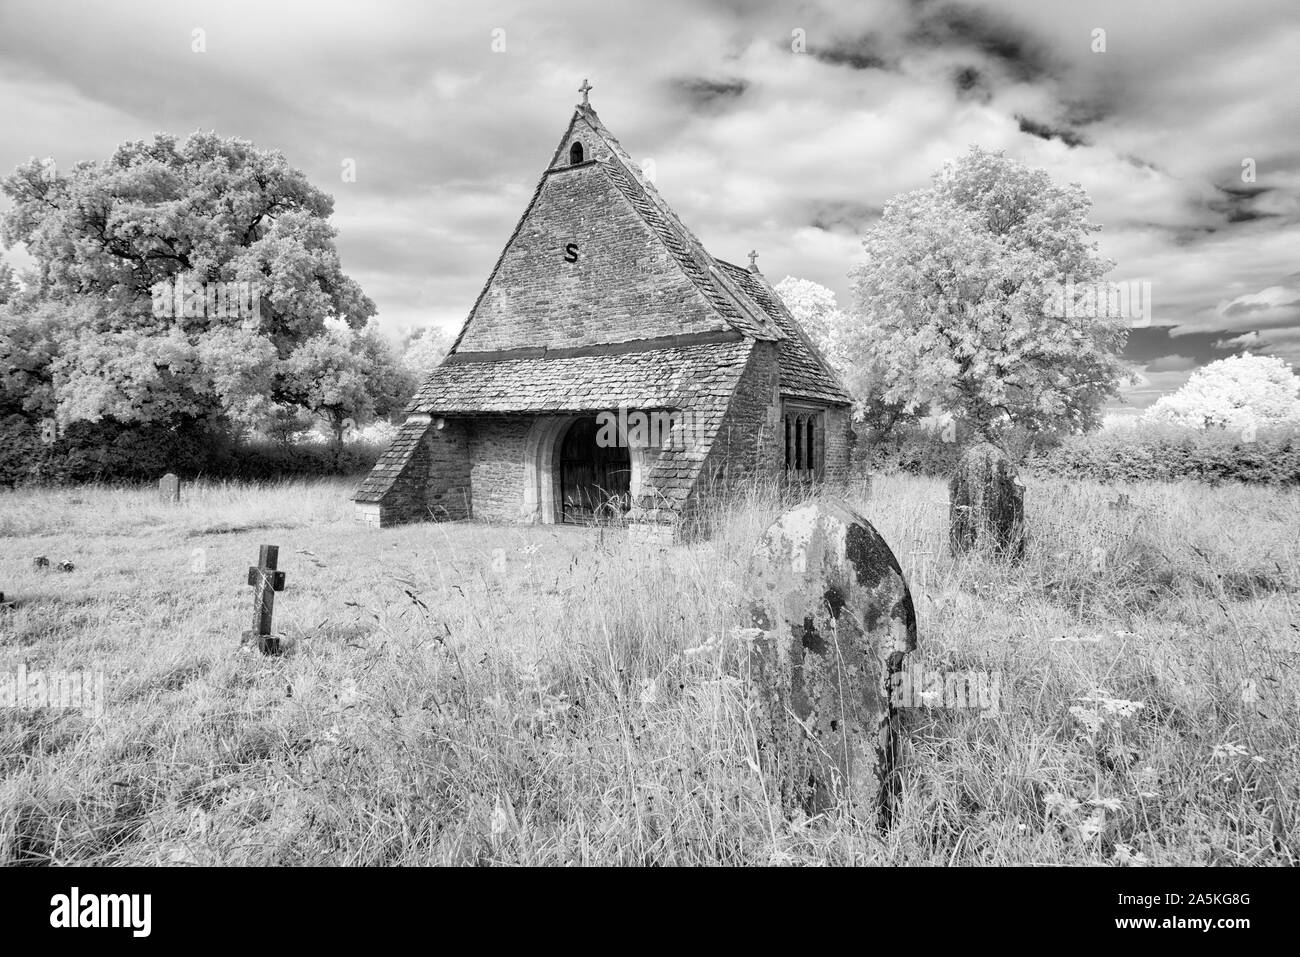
[[1239, 392], [111, 241], [951, 301]]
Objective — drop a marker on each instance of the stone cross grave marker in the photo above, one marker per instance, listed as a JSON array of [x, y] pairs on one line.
[[169, 489], [836, 622], [267, 581]]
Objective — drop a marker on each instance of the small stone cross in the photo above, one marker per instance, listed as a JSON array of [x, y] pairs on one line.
[[584, 90], [267, 581], [753, 255]]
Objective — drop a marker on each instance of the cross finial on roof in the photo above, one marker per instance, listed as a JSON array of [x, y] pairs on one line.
[[753, 266], [584, 90]]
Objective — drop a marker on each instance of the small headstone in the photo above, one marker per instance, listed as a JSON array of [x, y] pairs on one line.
[[169, 489], [835, 622], [199, 561], [66, 566], [499, 560], [1120, 504], [986, 503]]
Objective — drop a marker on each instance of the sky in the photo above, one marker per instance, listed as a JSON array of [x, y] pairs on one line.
[[780, 127]]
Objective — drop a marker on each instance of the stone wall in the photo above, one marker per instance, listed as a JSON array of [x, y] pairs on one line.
[[448, 485], [748, 444], [497, 450], [839, 443]]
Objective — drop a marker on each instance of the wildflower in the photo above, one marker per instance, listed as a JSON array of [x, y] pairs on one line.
[[1125, 856], [1227, 750]]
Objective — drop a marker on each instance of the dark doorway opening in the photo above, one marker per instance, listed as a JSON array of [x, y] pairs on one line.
[[595, 481]]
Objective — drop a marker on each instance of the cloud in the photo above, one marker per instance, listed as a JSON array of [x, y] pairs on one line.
[[702, 93], [1045, 131]]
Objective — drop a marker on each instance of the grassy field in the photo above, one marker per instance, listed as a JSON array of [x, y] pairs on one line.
[[469, 693]]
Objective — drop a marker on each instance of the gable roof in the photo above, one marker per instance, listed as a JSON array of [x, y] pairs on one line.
[[731, 304], [805, 373], [742, 300]]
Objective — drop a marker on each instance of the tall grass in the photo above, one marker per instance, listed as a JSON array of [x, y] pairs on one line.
[[465, 693]]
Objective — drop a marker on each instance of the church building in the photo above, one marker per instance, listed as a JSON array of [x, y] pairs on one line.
[[611, 369]]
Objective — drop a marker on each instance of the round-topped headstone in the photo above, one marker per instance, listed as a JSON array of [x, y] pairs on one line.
[[835, 622]]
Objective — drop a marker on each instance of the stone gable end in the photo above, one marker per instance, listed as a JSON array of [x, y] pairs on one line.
[[625, 284]]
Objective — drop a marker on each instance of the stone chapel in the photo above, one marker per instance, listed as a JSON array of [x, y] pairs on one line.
[[611, 369]]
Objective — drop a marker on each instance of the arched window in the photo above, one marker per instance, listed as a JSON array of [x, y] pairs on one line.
[[575, 153]]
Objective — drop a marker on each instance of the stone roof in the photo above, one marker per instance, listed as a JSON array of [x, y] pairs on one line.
[[672, 377], [804, 371], [744, 315], [394, 459]]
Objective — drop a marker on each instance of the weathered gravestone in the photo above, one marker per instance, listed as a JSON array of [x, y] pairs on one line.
[[266, 581], [986, 503], [836, 622], [169, 489]]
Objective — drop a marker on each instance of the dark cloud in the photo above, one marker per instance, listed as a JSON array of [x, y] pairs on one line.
[[1237, 203], [863, 53], [1086, 111], [1023, 56], [970, 84], [844, 217], [1047, 132], [703, 93]]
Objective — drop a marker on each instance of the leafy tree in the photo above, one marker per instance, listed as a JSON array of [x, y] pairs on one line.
[[208, 213], [346, 378], [949, 303], [8, 287], [814, 306], [1239, 392], [423, 349]]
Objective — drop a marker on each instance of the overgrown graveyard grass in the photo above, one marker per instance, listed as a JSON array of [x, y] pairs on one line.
[[469, 693]]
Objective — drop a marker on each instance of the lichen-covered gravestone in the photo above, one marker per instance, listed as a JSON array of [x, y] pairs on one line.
[[986, 503], [836, 621]]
